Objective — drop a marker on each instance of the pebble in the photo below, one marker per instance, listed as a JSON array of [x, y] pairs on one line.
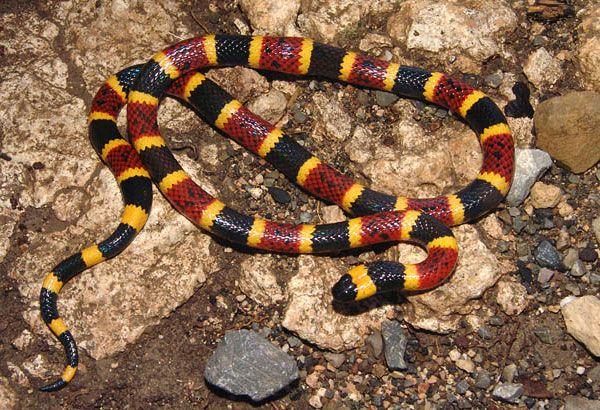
[[580, 370], [547, 256], [293, 341], [299, 115], [254, 192], [544, 275], [376, 342], [385, 99], [485, 333], [577, 313], [508, 392], [578, 269], [596, 228], [246, 364], [462, 387], [545, 195], [305, 217], [336, 359], [279, 195], [570, 258], [494, 80], [395, 342], [466, 364], [530, 165], [544, 335], [509, 372], [483, 380], [588, 255], [496, 321]]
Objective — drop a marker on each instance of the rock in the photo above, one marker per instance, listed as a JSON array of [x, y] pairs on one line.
[[279, 195], [271, 16], [375, 340], [444, 29], [512, 297], [508, 392], [395, 342], [332, 119], [581, 403], [8, 398], [358, 146], [258, 280], [544, 275], [596, 228], [462, 387], [570, 258], [466, 364], [270, 106], [545, 195], [542, 68], [588, 49], [530, 165], [547, 256], [483, 380], [509, 372], [385, 99], [327, 20], [588, 255], [578, 269], [246, 364], [441, 309], [332, 214], [581, 318], [311, 315], [336, 359], [567, 128]]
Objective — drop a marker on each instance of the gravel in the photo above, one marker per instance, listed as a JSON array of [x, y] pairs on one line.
[[246, 364], [508, 392], [376, 342], [547, 256], [395, 342], [578, 269]]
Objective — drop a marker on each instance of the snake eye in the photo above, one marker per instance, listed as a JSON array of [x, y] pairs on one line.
[[344, 290]]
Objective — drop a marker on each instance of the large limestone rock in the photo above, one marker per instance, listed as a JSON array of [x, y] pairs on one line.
[[258, 280], [60, 194], [271, 16], [312, 316], [588, 51], [469, 31], [441, 309], [567, 128], [582, 317]]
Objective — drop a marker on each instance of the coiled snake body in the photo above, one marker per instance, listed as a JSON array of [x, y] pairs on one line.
[[382, 217]]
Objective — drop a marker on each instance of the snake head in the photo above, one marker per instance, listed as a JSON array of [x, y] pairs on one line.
[[344, 290]]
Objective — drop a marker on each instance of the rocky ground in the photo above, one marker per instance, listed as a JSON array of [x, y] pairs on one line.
[[516, 326]]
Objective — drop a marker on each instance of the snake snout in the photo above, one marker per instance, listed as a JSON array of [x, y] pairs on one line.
[[344, 290]]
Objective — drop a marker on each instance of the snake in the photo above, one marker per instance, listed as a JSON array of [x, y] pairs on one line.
[[144, 159]]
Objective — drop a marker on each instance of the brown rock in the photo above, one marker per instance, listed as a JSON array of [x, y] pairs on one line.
[[588, 51], [258, 280], [273, 17], [512, 297], [582, 318], [567, 128], [544, 195], [8, 398], [311, 315]]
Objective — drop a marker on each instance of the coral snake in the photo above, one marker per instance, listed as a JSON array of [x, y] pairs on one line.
[[380, 217]]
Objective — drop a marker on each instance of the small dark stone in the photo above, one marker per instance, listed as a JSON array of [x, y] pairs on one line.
[[588, 255], [483, 380], [385, 99], [496, 321], [395, 342], [279, 195], [376, 342], [37, 165], [547, 256]]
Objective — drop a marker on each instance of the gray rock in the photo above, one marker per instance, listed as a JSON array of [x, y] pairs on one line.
[[581, 403], [508, 392], [293, 341], [376, 343], [547, 256], [509, 372], [530, 165], [385, 99], [570, 258], [462, 387], [578, 269], [483, 380], [395, 344], [484, 332], [494, 80], [246, 364]]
